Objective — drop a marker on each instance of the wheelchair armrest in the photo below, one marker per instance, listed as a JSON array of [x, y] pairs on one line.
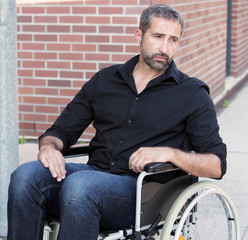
[[75, 151], [160, 167]]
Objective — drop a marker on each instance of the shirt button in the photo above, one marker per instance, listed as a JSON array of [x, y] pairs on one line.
[[120, 142], [112, 163], [129, 121], [136, 98]]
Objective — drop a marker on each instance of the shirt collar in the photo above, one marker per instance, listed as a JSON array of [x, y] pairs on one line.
[[171, 72]]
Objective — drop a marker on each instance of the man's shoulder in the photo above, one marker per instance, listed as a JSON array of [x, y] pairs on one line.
[[193, 82]]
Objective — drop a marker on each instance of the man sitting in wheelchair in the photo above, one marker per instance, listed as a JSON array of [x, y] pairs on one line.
[[144, 111]]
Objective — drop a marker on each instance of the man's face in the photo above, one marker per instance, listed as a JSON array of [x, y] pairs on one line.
[[159, 44]]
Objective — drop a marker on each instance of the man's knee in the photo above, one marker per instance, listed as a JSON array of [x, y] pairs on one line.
[[23, 178], [78, 189]]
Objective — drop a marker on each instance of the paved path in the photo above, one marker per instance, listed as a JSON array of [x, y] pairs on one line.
[[233, 122]]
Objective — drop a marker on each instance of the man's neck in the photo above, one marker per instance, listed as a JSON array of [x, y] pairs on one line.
[[143, 74]]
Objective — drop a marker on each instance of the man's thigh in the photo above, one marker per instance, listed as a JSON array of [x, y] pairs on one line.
[[113, 195]]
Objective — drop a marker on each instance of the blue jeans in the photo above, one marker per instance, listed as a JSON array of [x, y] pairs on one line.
[[87, 200]]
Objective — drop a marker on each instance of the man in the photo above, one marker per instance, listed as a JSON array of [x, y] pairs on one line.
[[144, 111]]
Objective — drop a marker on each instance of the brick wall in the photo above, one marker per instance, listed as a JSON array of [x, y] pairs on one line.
[[239, 49], [62, 44]]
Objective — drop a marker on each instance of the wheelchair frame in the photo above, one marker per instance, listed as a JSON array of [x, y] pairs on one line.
[[177, 223]]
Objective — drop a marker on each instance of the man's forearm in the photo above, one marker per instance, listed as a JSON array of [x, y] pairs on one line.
[[198, 164], [201, 165], [50, 141]]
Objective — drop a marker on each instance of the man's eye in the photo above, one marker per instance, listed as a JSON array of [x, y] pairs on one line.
[[174, 39]]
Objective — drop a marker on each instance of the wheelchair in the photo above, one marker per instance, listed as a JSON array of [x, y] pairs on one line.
[[181, 209]]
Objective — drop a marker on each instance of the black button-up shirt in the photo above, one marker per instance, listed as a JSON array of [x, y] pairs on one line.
[[173, 110]]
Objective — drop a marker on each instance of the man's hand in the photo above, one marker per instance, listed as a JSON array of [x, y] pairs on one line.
[[51, 157], [145, 155]]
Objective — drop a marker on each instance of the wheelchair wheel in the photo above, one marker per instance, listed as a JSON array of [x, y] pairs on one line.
[[202, 212]]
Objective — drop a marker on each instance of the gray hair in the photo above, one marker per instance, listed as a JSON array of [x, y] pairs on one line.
[[159, 10]]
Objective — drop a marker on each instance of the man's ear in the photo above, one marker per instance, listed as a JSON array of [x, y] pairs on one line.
[[138, 36]]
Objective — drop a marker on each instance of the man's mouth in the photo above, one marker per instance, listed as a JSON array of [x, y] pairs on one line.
[[162, 58]]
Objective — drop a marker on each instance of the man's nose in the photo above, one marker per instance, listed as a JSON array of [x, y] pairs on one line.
[[164, 47]]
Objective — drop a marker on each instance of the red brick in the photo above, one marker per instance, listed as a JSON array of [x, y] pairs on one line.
[[25, 90], [25, 73], [58, 47], [126, 2], [145, 2], [68, 92], [45, 55], [110, 10], [33, 64], [24, 19], [98, 20], [123, 39], [33, 28], [33, 46], [71, 74], [78, 84], [110, 48], [56, 65], [34, 99], [84, 47], [125, 20], [26, 108], [111, 29], [71, 19], [45, 38], [34, 82], [84, 65], [46, 91], [59, 83], [84, 29], [33, 10], [132, 49], [97, 38], [98, 2], [96, 57], [24, 125], [89, 75], [46, 73], [71, 38], [24, 37], [103, 65], [45, 19], [71, 56], [121, 57], [59, 101], [84, 10], [46, 109], [134, 10], [58, 28], [58, 10], [35, 117], [24, 55], [42, 126]]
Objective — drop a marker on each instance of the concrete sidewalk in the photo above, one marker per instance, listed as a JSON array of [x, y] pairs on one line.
[[233, 122]]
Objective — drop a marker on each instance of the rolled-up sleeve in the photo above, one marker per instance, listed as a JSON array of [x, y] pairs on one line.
[[202, 127]]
